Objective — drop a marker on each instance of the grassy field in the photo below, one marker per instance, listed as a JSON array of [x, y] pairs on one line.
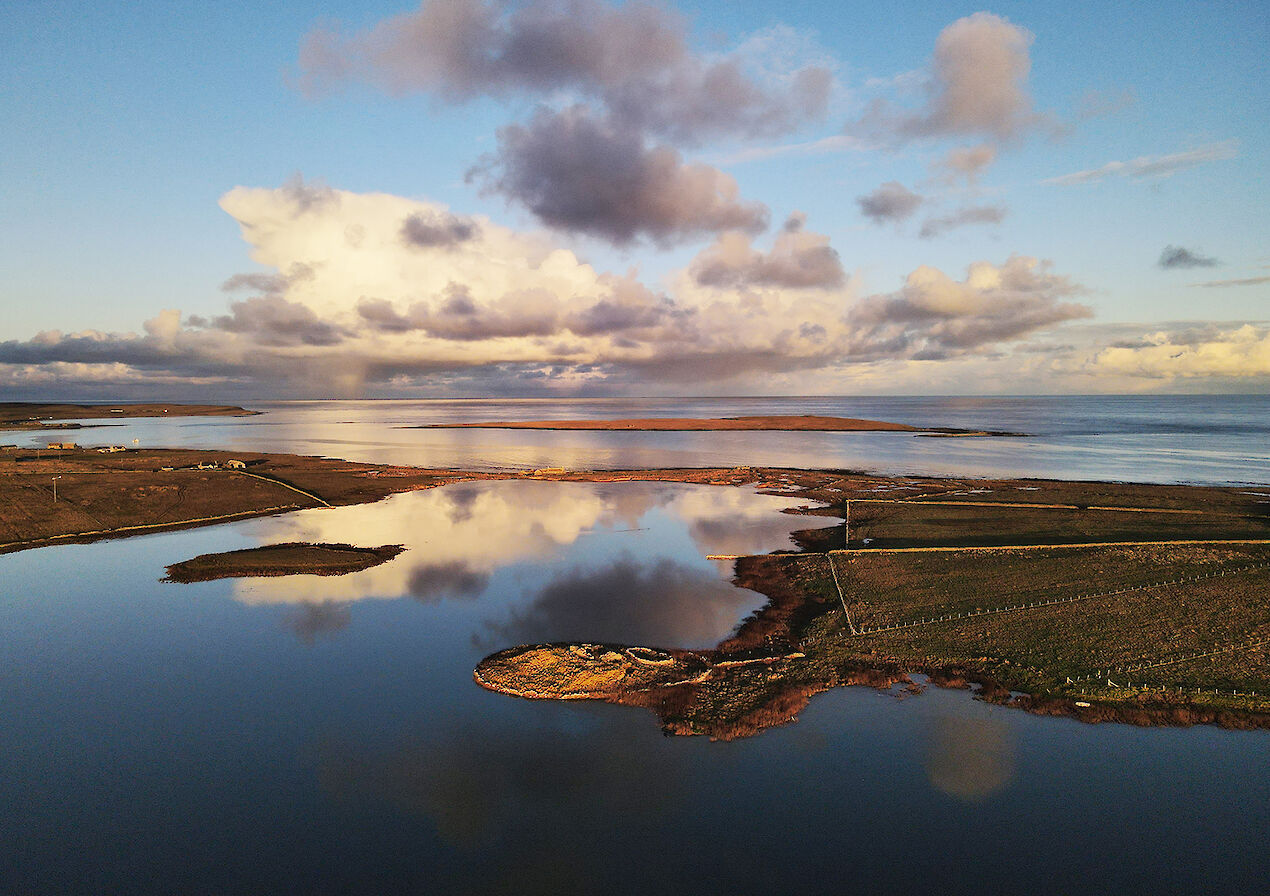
[[1066, 621], [110, 495]]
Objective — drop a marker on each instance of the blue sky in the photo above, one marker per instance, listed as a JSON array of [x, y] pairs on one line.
[[1131, 129]]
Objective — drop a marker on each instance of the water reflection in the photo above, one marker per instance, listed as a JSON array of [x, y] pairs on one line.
[[455, 538], [313, 620], [459, 536], [628, 601], [970, 759], [476, 782]]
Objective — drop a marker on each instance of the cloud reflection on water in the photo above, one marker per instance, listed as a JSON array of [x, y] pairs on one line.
[[661, 603], [458, 536], [316, 619], [481, 781], [970, 759]]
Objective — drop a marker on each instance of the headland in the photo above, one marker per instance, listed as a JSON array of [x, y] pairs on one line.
[[22, 415]]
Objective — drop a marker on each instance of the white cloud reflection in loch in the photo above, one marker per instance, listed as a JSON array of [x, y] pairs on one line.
[[542, 561]]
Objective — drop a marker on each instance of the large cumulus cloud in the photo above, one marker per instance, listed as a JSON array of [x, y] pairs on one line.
[[936, 317], [1208, 351], [345, 306]]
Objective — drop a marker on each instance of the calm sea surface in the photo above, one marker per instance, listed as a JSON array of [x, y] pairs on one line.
[[324, 735]]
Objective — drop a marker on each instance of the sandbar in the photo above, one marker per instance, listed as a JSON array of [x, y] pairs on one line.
[[766, 423]]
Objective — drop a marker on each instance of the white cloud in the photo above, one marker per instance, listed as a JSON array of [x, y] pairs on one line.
[[351, 307], [1206, 351], [1147, 167], [976, 84]]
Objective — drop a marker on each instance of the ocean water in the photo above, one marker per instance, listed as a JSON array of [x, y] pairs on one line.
[[324, 735], [1191, 439]]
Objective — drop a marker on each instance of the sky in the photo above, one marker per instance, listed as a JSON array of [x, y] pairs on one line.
[[587, 197]]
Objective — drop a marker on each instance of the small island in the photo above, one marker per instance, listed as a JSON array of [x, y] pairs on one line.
[[286, 559]]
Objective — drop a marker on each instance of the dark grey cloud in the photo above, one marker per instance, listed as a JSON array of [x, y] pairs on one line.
[[269, 284], [274, 321], [380, 315], [890, 202], [580, 174], [798, 260], [1174, 257], [436, 229], [974, 214], [432, 582], [455, 315], [607, 316], [90, 348], [632, 59]]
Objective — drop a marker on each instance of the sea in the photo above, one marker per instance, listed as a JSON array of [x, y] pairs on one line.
[[324, 734]]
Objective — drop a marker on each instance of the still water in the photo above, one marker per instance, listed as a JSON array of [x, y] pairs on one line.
[[324, 735]]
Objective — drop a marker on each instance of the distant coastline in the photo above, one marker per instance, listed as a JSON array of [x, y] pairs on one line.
[[21, 415]]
